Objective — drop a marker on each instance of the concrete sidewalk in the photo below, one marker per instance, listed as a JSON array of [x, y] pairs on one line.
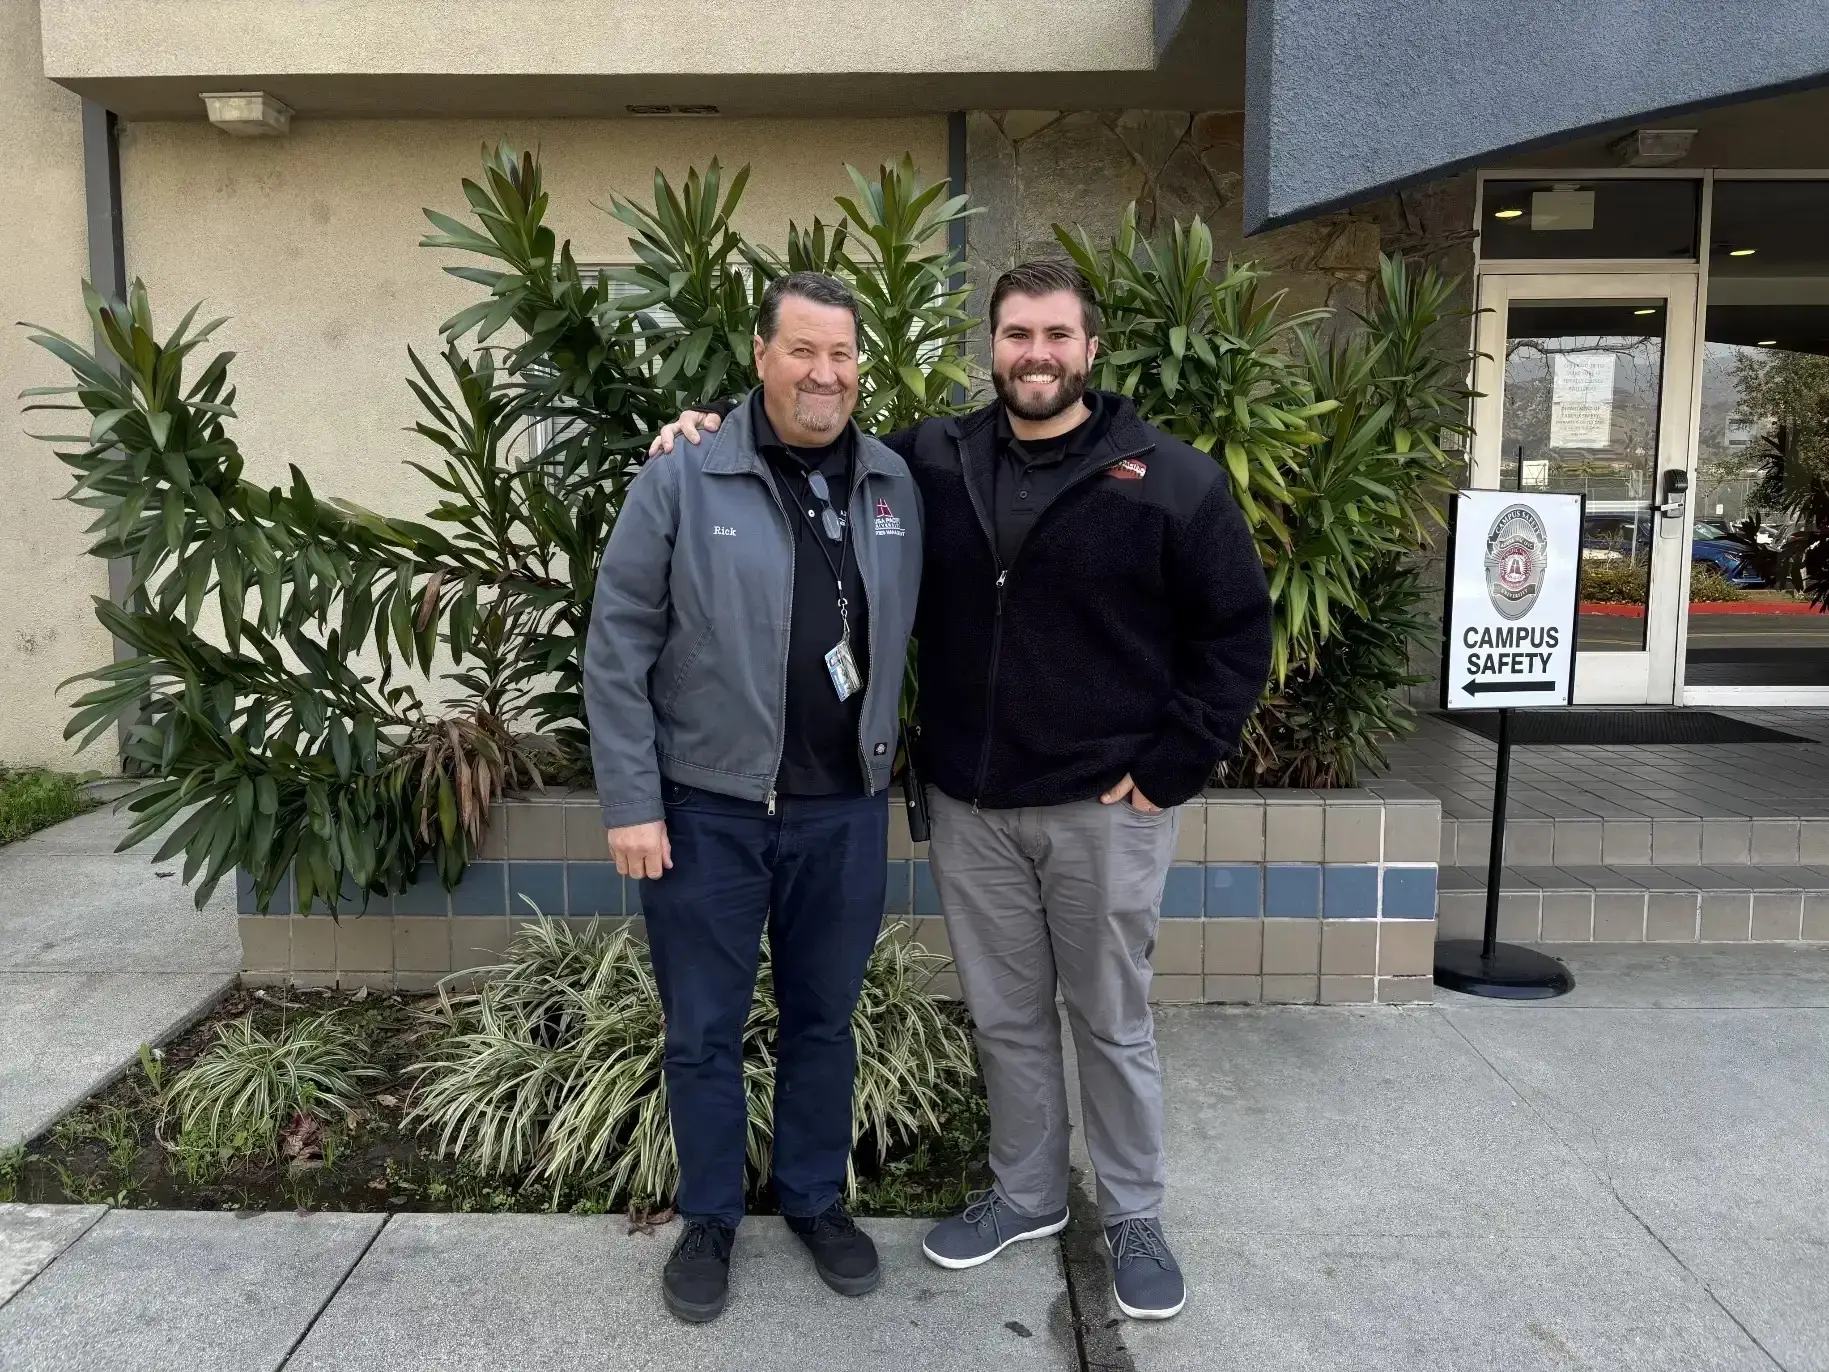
[[508, 1293], [1631, 1178], [1636, 1176], [99, 953]]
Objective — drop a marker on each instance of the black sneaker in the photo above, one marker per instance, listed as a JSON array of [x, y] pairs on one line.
[[696, 1282], [842, 1253]]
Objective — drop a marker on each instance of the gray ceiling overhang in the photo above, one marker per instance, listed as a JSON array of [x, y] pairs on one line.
[[1348, 98]]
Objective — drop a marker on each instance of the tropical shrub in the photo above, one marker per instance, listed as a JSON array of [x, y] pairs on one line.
[[551, 1069], [1614, 581], [264, 741], [273, 751], [1331, 717], [1707, 586]]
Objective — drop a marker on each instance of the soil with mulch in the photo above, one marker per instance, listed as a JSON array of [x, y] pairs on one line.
[[114, 1148]]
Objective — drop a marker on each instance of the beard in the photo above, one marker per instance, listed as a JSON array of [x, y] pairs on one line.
[[818, 411], [1069, 386]]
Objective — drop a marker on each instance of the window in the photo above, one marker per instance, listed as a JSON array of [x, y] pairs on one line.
[[1640, 217], [1761, 498]]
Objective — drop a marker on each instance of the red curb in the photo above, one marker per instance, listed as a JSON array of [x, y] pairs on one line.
[[1737, 607]]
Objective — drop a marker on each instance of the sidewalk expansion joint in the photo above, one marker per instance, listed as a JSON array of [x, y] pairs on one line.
[[26, 1284], [335, 1291], [1098, 1328]]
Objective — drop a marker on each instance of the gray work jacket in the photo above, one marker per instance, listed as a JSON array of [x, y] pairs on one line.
[[685, 668]]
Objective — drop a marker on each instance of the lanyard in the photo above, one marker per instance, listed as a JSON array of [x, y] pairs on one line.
[[836, 567]]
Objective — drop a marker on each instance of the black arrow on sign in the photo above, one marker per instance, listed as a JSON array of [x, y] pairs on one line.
[[1481, 688]]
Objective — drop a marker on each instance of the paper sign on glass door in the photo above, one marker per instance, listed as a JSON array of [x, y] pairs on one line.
[[1581, 400]]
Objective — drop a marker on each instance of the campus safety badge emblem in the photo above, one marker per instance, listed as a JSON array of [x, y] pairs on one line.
[[1517, 547]]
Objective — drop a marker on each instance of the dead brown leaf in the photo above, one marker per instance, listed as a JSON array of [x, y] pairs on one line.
[[642, 1220], [303, 1138]]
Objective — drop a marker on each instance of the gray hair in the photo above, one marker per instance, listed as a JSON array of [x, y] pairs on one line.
[[815, 286]]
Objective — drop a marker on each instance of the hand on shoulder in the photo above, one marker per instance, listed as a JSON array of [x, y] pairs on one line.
[[692, 426]]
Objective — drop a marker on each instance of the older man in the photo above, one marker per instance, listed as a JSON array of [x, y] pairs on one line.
[[742, 677], [1094, 631]]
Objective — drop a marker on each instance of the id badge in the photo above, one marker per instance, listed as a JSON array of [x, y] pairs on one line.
[[842, 668]]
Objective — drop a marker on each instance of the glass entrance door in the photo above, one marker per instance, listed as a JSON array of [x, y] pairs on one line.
[[1585, 383]]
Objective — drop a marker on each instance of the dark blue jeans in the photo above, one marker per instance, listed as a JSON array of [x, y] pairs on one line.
[[813, 874]]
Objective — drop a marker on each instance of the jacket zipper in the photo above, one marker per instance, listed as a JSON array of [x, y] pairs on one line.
[[1003, 577], [870, 665], [781, 715]]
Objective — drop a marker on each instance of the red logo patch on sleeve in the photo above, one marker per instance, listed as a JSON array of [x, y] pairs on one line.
[[1130, 469]]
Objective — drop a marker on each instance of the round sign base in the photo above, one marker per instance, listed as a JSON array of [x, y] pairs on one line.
[[1511, 973]]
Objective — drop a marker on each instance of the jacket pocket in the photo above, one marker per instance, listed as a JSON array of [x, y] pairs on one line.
[[677, 677]]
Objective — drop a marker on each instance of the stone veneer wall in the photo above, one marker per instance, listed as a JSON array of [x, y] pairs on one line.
[[1290, 896], [1032, 169]]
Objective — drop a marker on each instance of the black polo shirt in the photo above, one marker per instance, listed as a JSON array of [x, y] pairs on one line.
[[1030, 473], [820, 756]]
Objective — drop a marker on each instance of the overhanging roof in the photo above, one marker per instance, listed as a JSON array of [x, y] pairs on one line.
[[1349, 98]]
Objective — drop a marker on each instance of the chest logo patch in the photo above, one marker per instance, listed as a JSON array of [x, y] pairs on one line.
[[887, 520], [1130, 469]]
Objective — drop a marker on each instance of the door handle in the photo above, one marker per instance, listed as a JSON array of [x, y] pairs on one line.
[[1675, 501]]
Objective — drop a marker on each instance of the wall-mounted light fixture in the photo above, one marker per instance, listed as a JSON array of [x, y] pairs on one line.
[[1653, 147], [248, 114]]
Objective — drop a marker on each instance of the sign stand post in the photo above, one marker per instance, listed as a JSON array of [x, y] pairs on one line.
[[1509, 641], [1491, 968]]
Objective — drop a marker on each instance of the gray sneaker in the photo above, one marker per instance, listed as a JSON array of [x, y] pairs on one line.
[[984, 1229], [1147, 1280]]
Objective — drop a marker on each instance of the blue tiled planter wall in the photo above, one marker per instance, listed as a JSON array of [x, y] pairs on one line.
[[1274, 895]]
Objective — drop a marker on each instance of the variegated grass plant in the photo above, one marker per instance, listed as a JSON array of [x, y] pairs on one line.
[[248, 1087], [551, 1069]]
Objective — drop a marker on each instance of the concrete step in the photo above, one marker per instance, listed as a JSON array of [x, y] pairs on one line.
[[1729, 903], [1723, 841]]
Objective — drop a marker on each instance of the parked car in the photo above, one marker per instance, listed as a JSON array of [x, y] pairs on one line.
[[1616, 533], [1726, 557]]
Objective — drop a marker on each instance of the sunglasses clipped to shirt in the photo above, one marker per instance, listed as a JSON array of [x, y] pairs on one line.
[[829, 521]]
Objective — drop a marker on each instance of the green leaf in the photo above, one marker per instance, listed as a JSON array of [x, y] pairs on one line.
[[340, 746]]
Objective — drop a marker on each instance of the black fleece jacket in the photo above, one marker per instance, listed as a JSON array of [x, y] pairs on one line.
[[1130, 633]]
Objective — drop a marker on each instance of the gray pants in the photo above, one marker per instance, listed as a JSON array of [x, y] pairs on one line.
[[1067, 892]]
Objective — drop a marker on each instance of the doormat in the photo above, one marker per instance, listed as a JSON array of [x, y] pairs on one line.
[[1620, 727]]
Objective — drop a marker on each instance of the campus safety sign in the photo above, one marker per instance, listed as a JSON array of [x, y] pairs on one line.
[[1514, 563]]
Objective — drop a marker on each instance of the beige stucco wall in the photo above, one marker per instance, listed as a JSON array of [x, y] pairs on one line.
[[220, 38], [47, 628]]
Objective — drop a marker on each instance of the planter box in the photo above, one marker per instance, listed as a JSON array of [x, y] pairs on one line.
[[1309, 897]]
